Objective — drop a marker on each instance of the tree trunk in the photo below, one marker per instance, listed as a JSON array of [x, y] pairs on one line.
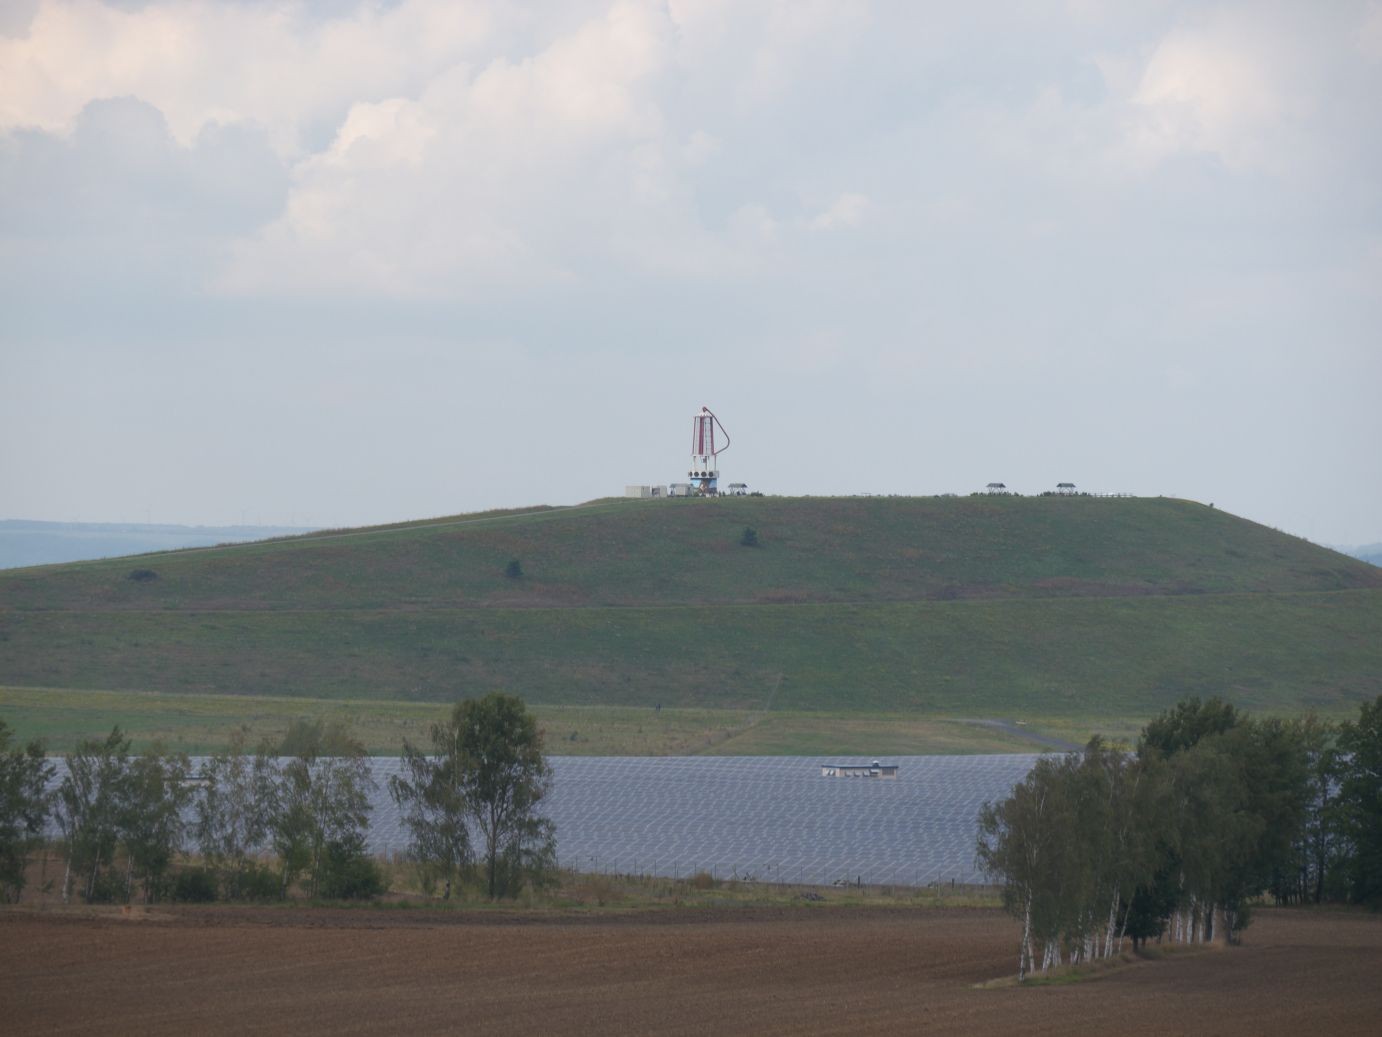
[[91, 883], [1024, 955], [1123, 927], [492, 849], [1112, 928]]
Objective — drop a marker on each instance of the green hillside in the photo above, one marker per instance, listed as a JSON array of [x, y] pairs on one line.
[[961, 607], [687, 552]]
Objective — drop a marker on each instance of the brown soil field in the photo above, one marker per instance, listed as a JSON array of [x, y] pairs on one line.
[[730, 971]]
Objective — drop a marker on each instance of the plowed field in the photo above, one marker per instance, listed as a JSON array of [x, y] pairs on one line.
[[768, 971]]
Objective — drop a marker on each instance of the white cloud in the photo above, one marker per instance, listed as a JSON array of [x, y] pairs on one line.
[[1370, 32], [120, 176], [393, 132], [490, 176], [1223, 89], [893, 211], [847, 211], [758, 52], [279, 66]]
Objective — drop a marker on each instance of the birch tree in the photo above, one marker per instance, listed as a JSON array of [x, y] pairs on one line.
[[90, 809], [1015, 842], [1360, 801], [320, 805], [235, 808], [506, 777], [1317, 845], [430, 793], [487, 773], [24, 806], [1238, 793], [152, 827]]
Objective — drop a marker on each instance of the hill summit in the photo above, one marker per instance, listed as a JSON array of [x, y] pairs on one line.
[[975, 605]]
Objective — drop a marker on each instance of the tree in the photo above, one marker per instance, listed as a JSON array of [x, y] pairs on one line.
[[91, 805], [1173, 895], [1018, 842], [1152, 904], [157, 792], [1211, 840], [1239, 793], [235, 808], [1185, 725], [1071, 845], [506, 776], [317, 738], [1360, 801], [321, 805], [487, 769], [24, 804], [1273, 758], [1319, 843], [430, 794]]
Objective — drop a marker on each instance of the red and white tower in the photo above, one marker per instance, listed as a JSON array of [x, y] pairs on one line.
[[705, 446]]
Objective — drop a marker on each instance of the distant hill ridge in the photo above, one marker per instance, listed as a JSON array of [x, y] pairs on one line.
[[25, 542], [974, 604], [1370, 553]]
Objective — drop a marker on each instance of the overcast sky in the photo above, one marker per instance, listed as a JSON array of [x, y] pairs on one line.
[[345, 262]]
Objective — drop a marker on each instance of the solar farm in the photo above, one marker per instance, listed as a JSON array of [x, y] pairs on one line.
[[753, 818], [763, 818], [766, 819]]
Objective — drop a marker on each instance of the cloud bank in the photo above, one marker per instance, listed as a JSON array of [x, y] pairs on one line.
[[1137, 245]]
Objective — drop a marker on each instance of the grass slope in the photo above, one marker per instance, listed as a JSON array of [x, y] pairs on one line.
[[685, 552], [986, 657], [916, 609]]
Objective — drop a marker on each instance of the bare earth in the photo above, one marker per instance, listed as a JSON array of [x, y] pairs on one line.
[[759, 971]]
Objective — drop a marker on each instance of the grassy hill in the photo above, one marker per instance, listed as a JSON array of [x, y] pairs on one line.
[[687, 552], [904, 607]]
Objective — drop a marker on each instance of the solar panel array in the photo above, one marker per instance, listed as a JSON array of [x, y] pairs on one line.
[[777, 818], [764, 818]]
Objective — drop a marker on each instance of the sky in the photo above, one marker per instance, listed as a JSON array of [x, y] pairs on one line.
[[347, 262]]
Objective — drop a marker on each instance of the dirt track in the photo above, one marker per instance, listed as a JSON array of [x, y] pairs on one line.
[[734, 971]]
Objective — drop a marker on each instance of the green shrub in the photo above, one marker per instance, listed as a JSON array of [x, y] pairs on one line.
[[108, 888], [349, 875], [194, 886], [257, 882]]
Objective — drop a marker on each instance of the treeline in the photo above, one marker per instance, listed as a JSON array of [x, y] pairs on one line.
[[284, 816], [1213, 811]]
